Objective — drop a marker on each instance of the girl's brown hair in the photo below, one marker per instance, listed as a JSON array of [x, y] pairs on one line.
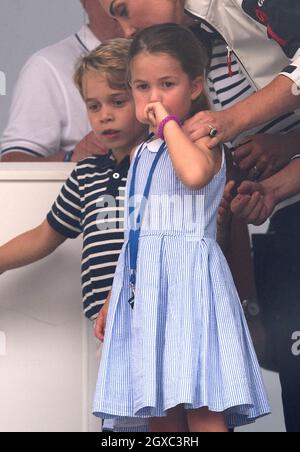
[[180, 43], [110, 60]]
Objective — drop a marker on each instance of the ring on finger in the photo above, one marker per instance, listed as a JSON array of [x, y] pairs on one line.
[[213, 131], [255, 172]]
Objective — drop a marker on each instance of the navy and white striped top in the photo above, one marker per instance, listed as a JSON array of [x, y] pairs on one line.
[[91, 202]]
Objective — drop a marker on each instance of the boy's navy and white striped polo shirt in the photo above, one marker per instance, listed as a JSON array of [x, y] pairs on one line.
[[91, 202]]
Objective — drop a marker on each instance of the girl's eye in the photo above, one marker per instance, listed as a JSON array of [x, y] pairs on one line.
[[168, 84], [142, 87]]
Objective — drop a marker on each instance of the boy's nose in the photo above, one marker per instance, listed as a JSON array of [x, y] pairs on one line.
[[105, 117]]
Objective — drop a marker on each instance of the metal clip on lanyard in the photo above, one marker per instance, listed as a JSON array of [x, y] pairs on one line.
[[135, 226]]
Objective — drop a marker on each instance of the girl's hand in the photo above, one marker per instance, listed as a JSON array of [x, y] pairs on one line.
[[155, 112], [101, 322]]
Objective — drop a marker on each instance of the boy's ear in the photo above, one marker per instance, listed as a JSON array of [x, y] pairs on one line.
[[197, 87]]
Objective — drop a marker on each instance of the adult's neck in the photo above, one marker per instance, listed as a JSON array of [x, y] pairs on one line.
[[95, 30], [104, 29]]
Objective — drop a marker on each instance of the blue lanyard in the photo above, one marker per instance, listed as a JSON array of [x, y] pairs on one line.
[[135, 226]]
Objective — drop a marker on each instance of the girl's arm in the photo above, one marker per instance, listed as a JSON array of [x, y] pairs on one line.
[[29, 247], [194, 163]]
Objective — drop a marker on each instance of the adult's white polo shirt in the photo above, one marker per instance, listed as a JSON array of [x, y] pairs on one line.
[[47, 114]]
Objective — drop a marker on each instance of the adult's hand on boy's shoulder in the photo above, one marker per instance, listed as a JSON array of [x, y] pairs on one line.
[[88, 146]]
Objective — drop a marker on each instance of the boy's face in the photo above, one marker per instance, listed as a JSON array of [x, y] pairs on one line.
[[135, 15], [111, 113]]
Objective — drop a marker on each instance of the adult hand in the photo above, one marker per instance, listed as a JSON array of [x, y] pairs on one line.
[[88, 146], [224, 218], [101, 322], [224, 212], [224, 122], [263, 155], [254, 203]]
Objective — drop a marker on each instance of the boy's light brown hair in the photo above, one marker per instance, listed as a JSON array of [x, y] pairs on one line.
[[109, 60]]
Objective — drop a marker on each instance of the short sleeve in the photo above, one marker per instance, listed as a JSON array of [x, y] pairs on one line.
[[65, 216], [37, 112]]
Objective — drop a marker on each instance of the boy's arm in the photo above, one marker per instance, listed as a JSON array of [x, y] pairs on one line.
[[29, 247]]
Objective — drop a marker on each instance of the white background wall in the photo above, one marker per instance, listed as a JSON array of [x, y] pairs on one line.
[[48, 363]]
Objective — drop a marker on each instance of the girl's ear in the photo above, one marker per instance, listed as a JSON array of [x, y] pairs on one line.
[[197, 87]]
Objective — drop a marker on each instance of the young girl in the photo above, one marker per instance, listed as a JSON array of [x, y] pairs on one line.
[[177, 349]]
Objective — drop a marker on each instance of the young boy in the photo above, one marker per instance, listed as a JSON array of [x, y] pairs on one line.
[[91, 201]]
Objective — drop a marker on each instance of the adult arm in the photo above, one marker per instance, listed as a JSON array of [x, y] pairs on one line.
[[276, 99], [281, 96]]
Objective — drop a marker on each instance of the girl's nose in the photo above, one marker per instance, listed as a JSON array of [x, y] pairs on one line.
[[155, 96]]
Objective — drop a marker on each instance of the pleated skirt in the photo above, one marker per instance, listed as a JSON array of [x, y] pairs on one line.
[[186, 342]]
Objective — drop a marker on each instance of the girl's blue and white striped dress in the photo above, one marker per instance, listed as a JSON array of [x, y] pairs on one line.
[[186, 341]]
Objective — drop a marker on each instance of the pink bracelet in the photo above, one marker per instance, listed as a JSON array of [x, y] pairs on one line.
[[164, 122]]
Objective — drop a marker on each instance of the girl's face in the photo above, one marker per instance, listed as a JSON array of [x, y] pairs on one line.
[[111, 113], [160, 78], [135, 15]]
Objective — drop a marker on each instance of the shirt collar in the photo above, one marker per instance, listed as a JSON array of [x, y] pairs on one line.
[[87, 39], [154, 145], [108, 161]]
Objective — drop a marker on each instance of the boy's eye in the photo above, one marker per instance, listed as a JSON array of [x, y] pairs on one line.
[[119, 102], [93, 107]]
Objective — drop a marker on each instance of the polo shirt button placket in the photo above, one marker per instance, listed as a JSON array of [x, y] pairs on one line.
[[116, 176]]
